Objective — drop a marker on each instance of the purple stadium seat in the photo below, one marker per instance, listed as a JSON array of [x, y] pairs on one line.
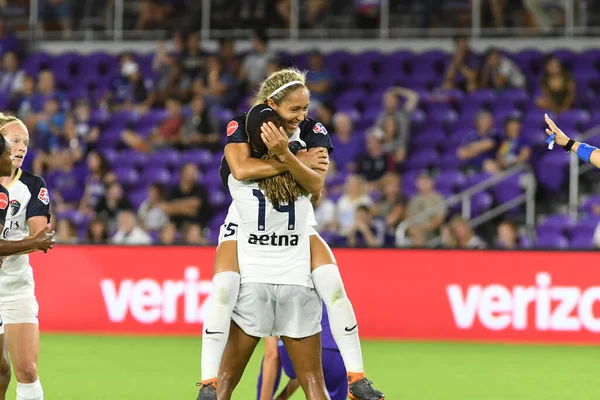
[[452, 180], [130, 159], [513, 97], [155, 174], [575, 118], [507, 189], [218, 199], [128, 177], [584, 240], [137, 197], [163, 158], [586, 225], [478, 178], [426, 158], [200, 157], [590, 203], [433, 138], [551, 170], [551, 241], [480, 203], [557, 223], [449, 160]]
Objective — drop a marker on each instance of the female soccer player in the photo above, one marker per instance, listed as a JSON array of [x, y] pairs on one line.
[[284, 92], [28, 215], [277, 358]]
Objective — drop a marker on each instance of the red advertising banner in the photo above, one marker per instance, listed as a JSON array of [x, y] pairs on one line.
[[397, 294]]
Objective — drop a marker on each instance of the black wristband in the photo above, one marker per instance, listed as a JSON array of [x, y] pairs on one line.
[[568, 146]]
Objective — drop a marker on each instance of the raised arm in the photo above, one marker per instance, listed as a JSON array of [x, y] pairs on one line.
[[584, 151]]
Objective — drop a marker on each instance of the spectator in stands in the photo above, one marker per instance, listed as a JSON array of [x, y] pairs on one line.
[[500, 72], [48, 137], [374, 163], [110, 204], [129, 232], [558, 88], [274, 65], [56, 10], [168, 235], [478, 149], [427, 199], [8, 41], [167, 134], [188, 201], [47, 90], [367, 231], [11, 77], [130, 89], [319, 79], [401, 114], [391, 143], [229, 60], [355, 194], [192, 234], [254, 65], [97, 232], [324, 114], [192, 61], [367, 14], [151, 215], [200, 130], [22, 102], [97, 179], [347, 146], [325, 213], [462, 71], [508, 237], [218, 86], [66, 232], [459, 234], [392, 204], [154, 14], [165, 65], [86, 132], [513, 149]]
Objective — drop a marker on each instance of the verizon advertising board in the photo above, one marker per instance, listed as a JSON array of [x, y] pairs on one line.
[[397, 294]]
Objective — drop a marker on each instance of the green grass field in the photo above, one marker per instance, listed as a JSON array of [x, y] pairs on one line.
[[166, 368]]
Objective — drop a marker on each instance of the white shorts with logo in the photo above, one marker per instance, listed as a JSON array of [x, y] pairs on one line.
[[264, 310], [19, 311], [228, 230]]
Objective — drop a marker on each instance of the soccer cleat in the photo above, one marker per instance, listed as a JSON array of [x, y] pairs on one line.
[[208, 390], [360, 388]]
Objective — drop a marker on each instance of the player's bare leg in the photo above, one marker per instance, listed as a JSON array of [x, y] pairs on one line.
[[305, 354], [344, 327], [23, 342], [4, 368], [238, 351], [226, 286]]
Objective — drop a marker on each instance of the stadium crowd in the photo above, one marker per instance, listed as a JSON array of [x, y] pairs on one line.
[[169, 109]]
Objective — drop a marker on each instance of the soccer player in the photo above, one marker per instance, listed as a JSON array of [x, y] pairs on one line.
[[277, 295], [584, 151], [28, 215], [284, 92], [277, 358]]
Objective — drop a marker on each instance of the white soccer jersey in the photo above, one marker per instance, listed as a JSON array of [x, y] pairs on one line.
[[273, 243], [28, 198]]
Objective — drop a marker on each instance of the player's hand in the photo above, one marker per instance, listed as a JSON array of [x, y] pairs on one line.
[[315, 159], [45, 239], [559, 136], [275, 139]]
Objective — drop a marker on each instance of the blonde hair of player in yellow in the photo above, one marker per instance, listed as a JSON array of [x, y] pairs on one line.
[[280, 188]]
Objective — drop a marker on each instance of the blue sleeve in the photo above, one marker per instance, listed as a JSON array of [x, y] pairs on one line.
[[236, 131], [39, 204]]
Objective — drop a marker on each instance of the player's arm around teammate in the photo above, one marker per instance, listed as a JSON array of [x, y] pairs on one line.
[[584, 151]]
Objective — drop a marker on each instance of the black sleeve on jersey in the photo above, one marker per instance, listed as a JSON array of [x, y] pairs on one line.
[[317, 136], [236, 130], [4, 202], [39, 204]]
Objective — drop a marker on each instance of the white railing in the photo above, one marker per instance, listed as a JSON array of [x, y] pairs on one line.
[[528, 182], [575, 17]]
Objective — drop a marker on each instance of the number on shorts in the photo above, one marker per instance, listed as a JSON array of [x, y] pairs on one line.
[[230, 229], [290, 209]]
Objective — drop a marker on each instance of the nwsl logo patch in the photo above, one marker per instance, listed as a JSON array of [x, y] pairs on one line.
[[43, 196], [319, 128]]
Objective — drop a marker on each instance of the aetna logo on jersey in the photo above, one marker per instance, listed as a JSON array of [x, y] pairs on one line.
[[274, 240]]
